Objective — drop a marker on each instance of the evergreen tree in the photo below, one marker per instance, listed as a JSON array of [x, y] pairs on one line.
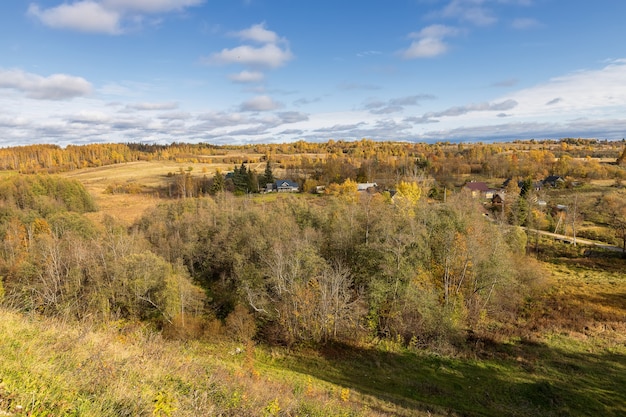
[[218, 182], [240, 179], [268, 176]]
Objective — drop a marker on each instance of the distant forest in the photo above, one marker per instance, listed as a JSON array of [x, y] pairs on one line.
[[362, 161]]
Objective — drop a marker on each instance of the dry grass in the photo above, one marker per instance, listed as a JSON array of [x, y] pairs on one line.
[[50, 368], [587, 299], [150, 176]]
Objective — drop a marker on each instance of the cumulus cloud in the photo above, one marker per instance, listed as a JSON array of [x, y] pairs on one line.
[[152, 106], [245, 76], [82, 16], [257, 33], [429, 42], [175, 116], [53, 87], [273, 52], [104, 16], [269, 55], [260, 103]]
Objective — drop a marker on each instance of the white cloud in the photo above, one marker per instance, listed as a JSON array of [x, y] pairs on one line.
[[395, 105], [268, 55], [579, 94], [273, 53], [150, 6], [554, 101], [472, 11], [153, 106], [257, 33], [260, 103], [475, 107], [83, 16], [247, 77], [104, 16], [53, 87], [89, 117], [292, 117], [175, 116], [429, 42]]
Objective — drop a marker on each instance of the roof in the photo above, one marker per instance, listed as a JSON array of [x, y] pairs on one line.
[[285, 183], [365, 185], [477, 186], [553, 178]]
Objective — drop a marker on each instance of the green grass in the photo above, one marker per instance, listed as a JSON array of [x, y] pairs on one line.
[[554, 377]]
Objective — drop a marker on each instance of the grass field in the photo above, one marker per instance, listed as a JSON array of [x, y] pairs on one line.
[[149, 176]]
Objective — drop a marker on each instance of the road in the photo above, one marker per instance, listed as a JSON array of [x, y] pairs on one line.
[[579, 241]]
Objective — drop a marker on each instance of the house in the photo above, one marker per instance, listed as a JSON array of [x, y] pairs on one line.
[[554, 181], [498, 199], [286, 186], [479, 189], [366, 186]]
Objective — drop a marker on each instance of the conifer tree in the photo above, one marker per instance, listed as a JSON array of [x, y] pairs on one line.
[[268, 176], [218, 182]]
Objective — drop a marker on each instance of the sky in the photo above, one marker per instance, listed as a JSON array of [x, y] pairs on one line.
[[275, 71]]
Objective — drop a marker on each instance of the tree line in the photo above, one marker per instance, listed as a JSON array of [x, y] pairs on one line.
[[336, 161]]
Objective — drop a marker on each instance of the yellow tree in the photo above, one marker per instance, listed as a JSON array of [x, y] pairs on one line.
[[407, 197]]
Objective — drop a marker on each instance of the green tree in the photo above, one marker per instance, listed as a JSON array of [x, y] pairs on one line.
[[268, 175], [218, 182]]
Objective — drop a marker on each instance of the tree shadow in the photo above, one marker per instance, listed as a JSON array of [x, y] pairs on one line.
[[614, 300], [522, 379]]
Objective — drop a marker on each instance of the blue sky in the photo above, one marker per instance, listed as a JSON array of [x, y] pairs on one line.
[[261, 71]]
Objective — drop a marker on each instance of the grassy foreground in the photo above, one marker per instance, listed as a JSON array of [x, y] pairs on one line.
[[566, 358]]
